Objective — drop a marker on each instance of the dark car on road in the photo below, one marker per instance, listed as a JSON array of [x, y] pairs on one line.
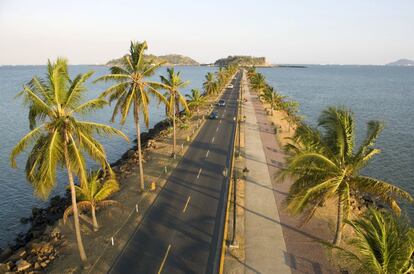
[[221, 103], [213, 116]]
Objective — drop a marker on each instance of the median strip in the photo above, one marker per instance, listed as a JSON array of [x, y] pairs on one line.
[[186, 204], [165, 258]]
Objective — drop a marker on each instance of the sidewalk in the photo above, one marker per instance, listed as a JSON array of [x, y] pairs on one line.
[[281, 242], [265, 244]]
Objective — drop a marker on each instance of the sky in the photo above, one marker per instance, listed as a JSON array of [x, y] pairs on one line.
[[285, 32]]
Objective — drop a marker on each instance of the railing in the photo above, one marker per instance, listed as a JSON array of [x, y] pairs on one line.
[[231, 185]]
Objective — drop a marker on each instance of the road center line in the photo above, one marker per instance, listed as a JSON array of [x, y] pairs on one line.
[[165, 258], [212, 140], [217, 129], [208, 151], [186, 204], [220, 122], [199, 172]]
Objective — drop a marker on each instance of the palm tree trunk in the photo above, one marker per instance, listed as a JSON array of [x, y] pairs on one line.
[[81, 249], [94, 221], [174, 142], [339, 222], [138, 129]]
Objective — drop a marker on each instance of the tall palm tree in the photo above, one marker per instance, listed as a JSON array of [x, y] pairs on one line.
[[383, 243], [209, 85], [172, 83], [195, 100], [325, 163], [273, 98], [132, 90], [258, 82], [57, 137], [93, 194]]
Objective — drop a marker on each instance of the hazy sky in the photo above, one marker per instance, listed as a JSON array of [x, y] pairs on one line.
[[93, 31]]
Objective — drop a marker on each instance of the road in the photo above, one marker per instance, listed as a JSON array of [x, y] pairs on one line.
[[182, 232]]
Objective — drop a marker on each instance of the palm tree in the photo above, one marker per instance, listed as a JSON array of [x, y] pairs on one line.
[[132, 91], [172, 84], [57, 137], [273, 98], [209, 85], [325, 164], [94, 194], [195, 100], [384, 244], [258, 82]]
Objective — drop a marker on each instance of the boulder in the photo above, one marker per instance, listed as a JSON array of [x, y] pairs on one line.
[[22, 265], [5, 253], [4, 268]]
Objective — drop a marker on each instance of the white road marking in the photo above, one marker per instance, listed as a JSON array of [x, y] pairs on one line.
[[165, 258], [220, 122], [208, 151], [186, 204], [199, 172], [212, 140], [217, 129]]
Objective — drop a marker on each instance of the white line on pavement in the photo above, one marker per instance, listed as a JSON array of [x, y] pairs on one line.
[[199, 172], [212, 140], [208, 151], [186, 204]]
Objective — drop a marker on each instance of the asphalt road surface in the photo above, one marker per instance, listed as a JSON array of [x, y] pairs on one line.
[[181, 232]]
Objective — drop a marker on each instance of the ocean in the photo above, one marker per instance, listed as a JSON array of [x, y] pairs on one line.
[[371, 92]]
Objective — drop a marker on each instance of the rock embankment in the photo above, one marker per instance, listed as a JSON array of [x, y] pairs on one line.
[[34, 250]]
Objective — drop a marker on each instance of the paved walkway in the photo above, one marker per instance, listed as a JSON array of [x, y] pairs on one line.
[[280, 241], [265, 244]]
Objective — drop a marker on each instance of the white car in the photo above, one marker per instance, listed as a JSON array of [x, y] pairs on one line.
[[230, 86]]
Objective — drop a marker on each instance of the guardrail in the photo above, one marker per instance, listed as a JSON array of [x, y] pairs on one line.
[[229, 181]]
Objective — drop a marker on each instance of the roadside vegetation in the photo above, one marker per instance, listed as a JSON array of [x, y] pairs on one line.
[[326, 164], [59, 137]]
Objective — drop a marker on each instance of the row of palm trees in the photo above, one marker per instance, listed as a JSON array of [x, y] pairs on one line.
[[325, 163], [59, 138], [215, 83]]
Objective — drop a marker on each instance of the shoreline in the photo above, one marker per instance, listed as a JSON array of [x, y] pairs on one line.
[[49, 215]]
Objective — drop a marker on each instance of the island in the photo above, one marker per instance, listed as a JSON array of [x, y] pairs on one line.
[[240, 60], [168, 60], [402, 63]]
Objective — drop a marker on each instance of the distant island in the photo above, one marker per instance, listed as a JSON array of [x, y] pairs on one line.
[[243, 61], [169, 59], [402, 63]]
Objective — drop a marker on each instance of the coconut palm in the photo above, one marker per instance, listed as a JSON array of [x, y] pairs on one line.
[[383, 243], [132, 90], [57, 137], [172, 83], [258, 82], [326, 163], [273, 98], [209, 85], [93, 194], [195, 100]]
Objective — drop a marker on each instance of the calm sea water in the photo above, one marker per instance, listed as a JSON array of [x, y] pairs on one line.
[[16, 195], [372, 92]]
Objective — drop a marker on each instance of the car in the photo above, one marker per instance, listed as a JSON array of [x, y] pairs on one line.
[[213, 116], [230, 86], [221, 103]]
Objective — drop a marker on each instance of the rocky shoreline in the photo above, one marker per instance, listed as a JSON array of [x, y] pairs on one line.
[[35, 249]]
